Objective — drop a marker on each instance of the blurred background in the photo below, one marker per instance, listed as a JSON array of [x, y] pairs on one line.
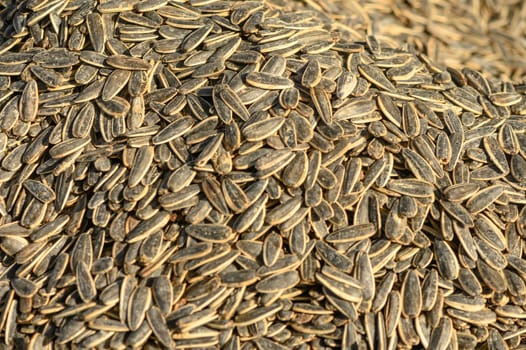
[[485, 35]]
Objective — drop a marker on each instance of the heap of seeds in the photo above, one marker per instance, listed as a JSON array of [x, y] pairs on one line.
[[234, 175], [487, 35]]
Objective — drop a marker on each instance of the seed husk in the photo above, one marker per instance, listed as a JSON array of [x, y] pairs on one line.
[[278, 282], [268, 81], [127, 63], [158, 325]]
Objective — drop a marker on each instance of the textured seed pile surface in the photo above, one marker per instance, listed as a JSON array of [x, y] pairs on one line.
[[246, 175]]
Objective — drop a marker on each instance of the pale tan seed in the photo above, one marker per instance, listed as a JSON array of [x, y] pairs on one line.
[[346, 83], [268, 81], [344, 291], [28, 104], [10, 114], [355, 109], [106, 324], [508, 139], [127, 63], [504, 98]]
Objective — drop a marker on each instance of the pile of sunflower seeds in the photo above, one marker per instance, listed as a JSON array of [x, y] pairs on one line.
[[207, 174], [486, 35]]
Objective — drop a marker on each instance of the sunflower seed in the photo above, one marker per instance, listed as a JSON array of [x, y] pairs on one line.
[[138, 304], [85, 282], [159, 327], [268, 81], [411, 295]]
